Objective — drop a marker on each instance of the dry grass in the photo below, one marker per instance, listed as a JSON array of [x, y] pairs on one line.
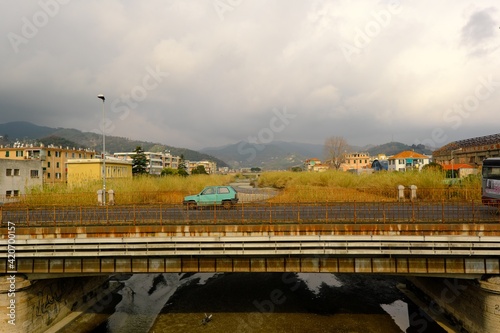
[[382, 186], [140, 190], [294, 187]]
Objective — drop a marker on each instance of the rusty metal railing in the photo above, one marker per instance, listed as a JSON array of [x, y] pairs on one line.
[[470, 211]]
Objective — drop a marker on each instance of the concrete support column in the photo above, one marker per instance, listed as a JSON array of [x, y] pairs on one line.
[[474, 305], [36, 306]]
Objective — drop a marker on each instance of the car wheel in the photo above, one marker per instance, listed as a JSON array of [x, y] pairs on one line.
[[191, 205], [227, 204]]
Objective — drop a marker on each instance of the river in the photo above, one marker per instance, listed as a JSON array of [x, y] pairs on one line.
[[264, 302]]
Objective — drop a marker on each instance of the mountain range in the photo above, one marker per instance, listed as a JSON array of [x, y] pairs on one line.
[[26, 132], [283, 155], [276, 155]]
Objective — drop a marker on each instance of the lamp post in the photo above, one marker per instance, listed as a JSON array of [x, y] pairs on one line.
[[452, 162], [101, 96]]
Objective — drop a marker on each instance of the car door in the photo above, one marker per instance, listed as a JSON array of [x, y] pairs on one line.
[[208, 196]]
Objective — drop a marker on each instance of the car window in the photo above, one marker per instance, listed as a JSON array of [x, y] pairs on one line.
[[223, 190], [208, 191]]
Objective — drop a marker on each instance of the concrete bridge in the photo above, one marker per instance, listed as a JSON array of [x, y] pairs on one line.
[[445, 240]]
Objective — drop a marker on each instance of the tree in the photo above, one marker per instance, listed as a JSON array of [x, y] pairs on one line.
[[335, 150], [139, 162], [199, 170], [433, 166], [169, 172], [255, 169], [182, 169]]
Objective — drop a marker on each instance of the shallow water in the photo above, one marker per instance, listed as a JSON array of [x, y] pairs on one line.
[[264, 302]]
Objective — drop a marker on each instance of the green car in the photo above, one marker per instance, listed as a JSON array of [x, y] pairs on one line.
[[225, 196]]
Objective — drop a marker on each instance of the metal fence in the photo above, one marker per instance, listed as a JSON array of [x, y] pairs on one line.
[[470, 211]]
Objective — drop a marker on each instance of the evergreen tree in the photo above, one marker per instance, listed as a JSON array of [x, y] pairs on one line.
[[139, 162], [182, 169]]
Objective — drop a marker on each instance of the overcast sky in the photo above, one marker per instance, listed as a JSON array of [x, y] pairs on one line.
[[204, 73]]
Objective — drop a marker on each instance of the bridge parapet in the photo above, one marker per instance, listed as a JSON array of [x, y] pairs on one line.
[[244, 213]]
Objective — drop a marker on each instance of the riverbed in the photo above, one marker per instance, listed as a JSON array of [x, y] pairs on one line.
[[264, 302]]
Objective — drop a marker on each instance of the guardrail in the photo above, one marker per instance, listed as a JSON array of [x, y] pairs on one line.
[[250, 213], [261, 246]]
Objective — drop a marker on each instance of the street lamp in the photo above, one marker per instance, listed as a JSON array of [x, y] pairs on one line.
[[452, 162], [101, 96]]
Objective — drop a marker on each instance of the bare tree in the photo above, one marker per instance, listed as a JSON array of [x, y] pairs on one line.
[[335, 151]]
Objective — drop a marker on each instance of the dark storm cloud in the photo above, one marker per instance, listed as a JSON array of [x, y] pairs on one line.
[[192, 74]]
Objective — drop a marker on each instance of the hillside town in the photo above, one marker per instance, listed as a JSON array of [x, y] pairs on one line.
[[24, 166]]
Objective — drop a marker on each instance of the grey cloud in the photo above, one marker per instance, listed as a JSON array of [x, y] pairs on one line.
[[227, 75], [479, 32]]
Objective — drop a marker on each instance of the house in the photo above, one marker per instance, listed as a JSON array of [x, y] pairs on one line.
[[314, 164], [460, 169], [84, 170], [17, 176], [407, 160]]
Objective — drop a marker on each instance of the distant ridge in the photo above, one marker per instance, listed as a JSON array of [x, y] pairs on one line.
[[284, 155], [277, 155], [27, 132]]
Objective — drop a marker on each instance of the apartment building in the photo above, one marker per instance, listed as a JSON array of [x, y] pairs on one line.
[[156, 161], [210, 167], [53, 158], [356, 161]]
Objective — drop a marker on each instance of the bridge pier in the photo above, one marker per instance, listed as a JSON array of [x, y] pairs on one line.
[[473, 305], [33, 306]]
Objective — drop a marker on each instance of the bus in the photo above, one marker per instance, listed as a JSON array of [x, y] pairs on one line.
[[490, 194]]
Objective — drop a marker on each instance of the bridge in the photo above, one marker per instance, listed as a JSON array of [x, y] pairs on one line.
[[412, 238], [80, 247]]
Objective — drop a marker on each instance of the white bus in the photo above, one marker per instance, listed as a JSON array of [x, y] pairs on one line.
[[491, 182]]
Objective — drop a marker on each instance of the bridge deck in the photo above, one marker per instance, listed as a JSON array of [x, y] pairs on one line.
[[390, 238]]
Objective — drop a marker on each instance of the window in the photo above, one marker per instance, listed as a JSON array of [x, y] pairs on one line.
[[8, 172], [48, 164], [8, 194], [223, 190], [57, 165], [58, 175], [208, 191], [16, 172], [16, 193], [19, 153], [7, 153], [58, 154], [48, 175], [34, 173], [48, 153]]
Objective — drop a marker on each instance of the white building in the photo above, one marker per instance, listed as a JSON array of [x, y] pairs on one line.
[[407, 160], [17, 176], [156, 161]]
